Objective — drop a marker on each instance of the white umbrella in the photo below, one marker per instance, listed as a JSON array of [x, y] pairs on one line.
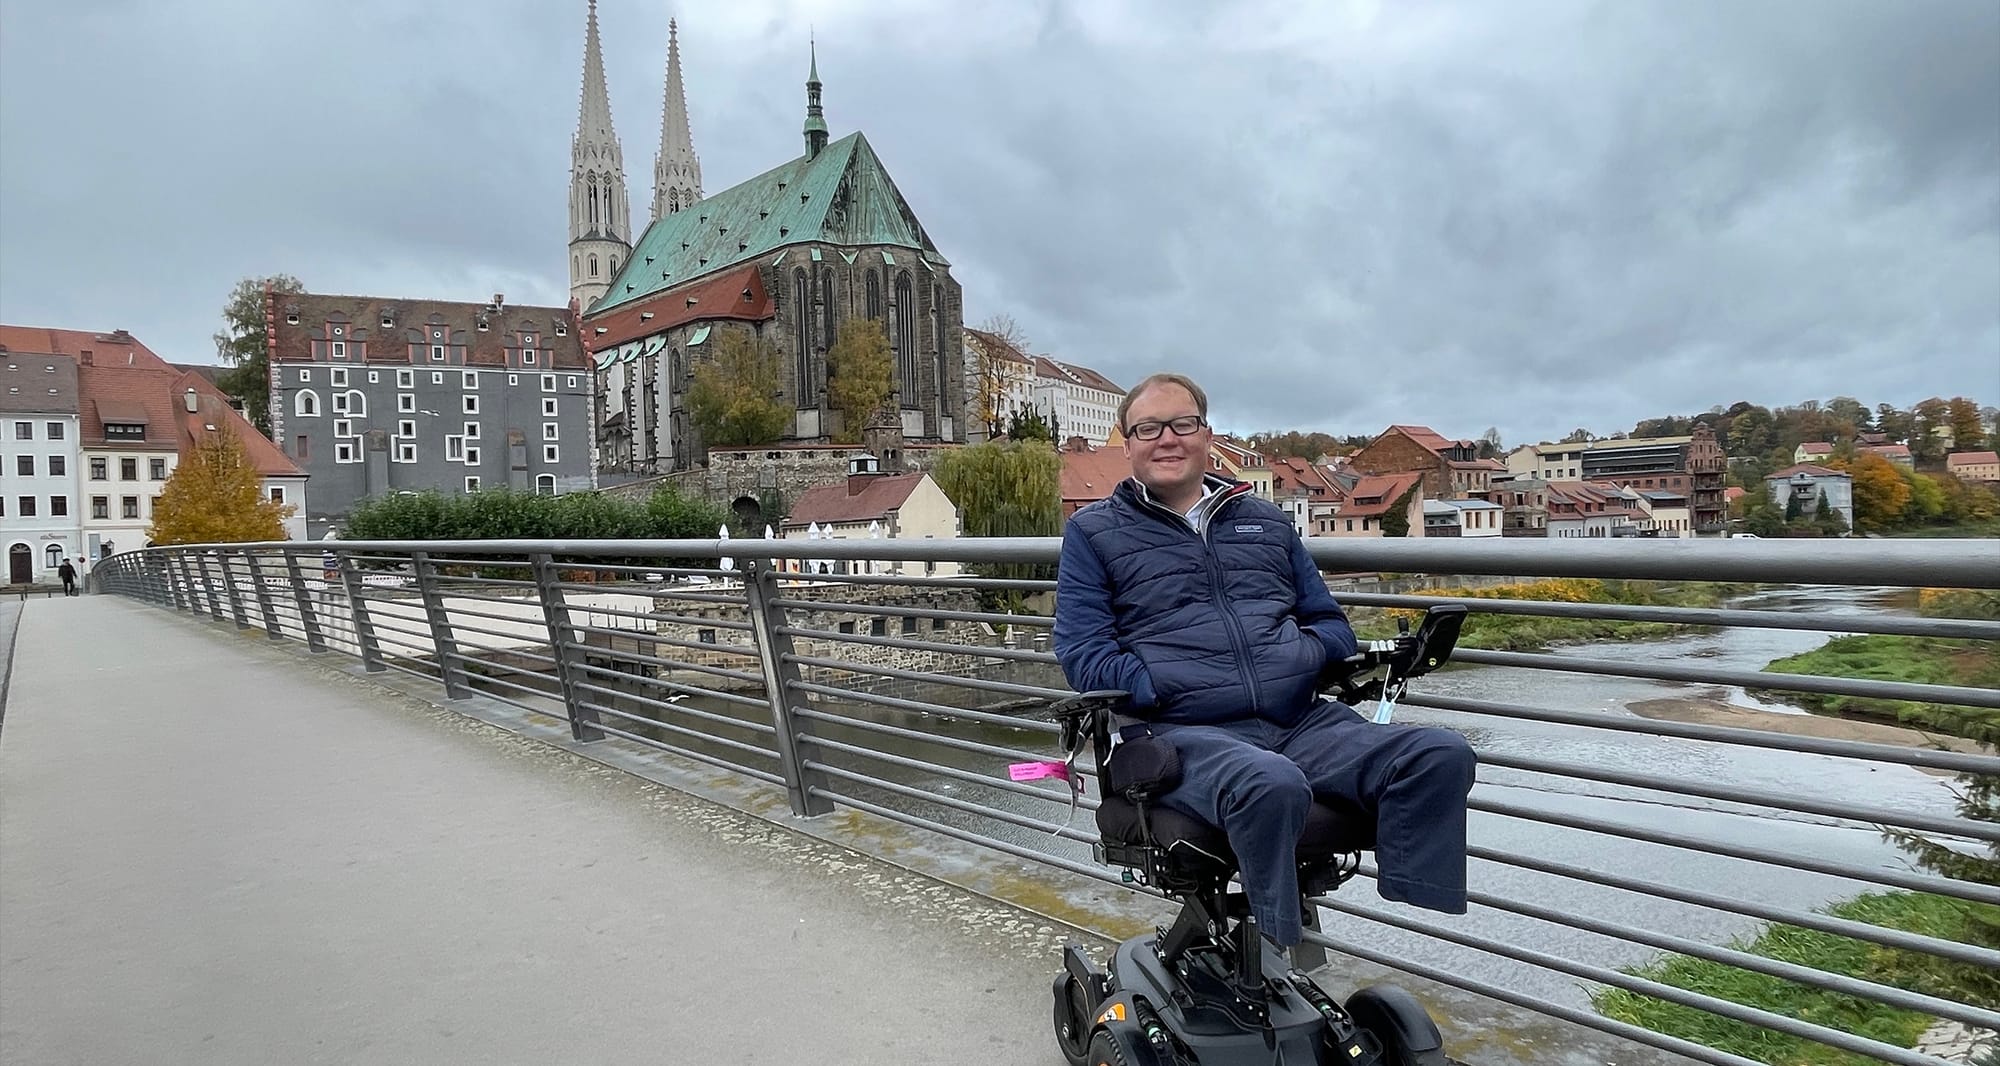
[[771, 534], [727, 562], [874, 533]]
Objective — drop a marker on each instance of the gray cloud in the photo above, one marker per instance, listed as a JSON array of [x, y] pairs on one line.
[[1530, 215]]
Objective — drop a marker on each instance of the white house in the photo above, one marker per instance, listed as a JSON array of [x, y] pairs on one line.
[[998, 376], [1812, 451], [1084, 401], [1806, 483], [1476, 518], [38, 515], [874, 505]]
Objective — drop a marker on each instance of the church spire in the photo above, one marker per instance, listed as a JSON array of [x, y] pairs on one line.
[[676, 170], [600, 212], [815, 121]]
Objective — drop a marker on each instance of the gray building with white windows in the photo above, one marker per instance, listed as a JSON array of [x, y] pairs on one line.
[[373, 396]]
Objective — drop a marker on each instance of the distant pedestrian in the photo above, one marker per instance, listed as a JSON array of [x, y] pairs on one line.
[[67, 572]]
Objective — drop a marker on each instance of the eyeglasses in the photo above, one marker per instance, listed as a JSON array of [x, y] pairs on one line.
[[1184, 426]]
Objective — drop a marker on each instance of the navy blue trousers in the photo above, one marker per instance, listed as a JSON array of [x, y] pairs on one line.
[[1256, 779]]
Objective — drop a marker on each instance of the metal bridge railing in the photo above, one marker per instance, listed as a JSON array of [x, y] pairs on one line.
[[881, 677]]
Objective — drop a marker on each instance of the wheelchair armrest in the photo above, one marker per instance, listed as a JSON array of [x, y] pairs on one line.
[[1086, 714]]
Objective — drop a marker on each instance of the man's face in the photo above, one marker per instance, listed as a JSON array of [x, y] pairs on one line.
[[1168, 463]]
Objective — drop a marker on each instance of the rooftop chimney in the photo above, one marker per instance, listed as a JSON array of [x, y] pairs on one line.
[[499, 299], [862, 469], [193, 402]]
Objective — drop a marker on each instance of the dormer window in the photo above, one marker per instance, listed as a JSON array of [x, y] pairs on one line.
[[124, 431], [291, 318], [561, 330]]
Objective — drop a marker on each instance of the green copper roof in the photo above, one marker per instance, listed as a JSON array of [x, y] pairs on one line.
[[841, 196]]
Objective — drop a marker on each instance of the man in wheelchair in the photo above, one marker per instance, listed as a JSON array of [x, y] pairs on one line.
[[1199, 600]]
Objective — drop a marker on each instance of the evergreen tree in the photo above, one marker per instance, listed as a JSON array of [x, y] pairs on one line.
[[861, 376], [736, 397], [216, 496], [241, 344]]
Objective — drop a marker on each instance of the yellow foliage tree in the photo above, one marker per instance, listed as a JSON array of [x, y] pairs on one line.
[[1880, 493], [860, 377], [216, 497], [735, 398]]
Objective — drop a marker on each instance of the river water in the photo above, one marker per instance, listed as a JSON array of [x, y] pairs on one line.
[[1897, 787]]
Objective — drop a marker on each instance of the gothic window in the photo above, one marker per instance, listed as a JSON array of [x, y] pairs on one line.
[[802, 336], [593, 265], [874, 295], [593, 202], [826, 312], [906, 338], [306, 405], [673, 201], [614, 266]]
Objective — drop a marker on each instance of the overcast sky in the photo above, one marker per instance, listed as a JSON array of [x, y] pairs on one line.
[[1533, 215]]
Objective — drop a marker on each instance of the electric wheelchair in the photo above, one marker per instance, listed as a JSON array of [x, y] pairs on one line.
[[1205, 991]]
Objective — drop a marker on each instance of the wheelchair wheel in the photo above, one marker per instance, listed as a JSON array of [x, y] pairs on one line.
[[1072, 1020], [1104, 1051], [1401, 1025]]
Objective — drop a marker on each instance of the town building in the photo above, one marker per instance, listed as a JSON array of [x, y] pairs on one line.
[[1808, 485], [39, 525], [1973, 466], [1451, 469], [1083, 401], [1812, 451], [1000, 384], [788, 255], [1090, 473], [1898, 454], [372, 395], [1666, 514], [1693, 465], [1373, 498], [136, 416], [1239, 462], [872, 504]]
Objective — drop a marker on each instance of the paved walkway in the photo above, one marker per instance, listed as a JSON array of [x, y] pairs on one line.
[[214, 855]]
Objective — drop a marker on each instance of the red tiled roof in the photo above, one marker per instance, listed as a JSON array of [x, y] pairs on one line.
[[997, 347], [1290, 474], [1081, 375], [737, 295], [1816, 448], [833, 503], [1089, 476], [1429, 438], [1888, 451], [1733, 493], [1971, 459], [1377, 494], [154, 394], [104, 348], [362, 318], [1810, 469]]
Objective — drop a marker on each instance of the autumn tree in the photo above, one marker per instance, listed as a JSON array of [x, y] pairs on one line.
[[241, 344], [1006, 489], [860, 375], [1880, 493], [216, 496], [993, 373], [736, 398], [1967, 430], [1930, 416], [1308, 446]]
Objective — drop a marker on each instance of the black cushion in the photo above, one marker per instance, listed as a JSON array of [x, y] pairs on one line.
[[1330, 831]]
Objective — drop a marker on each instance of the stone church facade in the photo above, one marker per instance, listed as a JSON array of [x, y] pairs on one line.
[[788, 255]]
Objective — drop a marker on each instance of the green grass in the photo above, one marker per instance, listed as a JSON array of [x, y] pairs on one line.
[[1921, 660], [1909, 911], [1509, 632], [1961, 530]]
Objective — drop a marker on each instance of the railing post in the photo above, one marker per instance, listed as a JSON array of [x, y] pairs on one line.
[[214, 594], [235, 594], [177, 580], [555, 612], [269, 609], [450, 670], [357, 608], [308, 617], [760, 584]]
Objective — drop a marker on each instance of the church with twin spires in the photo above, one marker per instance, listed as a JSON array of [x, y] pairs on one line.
[[789, 254]]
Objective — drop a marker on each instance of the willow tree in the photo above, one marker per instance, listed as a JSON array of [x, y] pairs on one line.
[[1006, 489], [216, 496], [860, 375], [737, 394]]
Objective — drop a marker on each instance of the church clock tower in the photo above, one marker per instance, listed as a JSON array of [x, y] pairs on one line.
[[600, 212]]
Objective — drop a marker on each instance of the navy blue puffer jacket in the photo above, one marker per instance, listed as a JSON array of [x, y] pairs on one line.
[[1200, 629]]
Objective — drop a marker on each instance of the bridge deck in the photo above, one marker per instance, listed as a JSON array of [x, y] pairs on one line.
[[217, 857]]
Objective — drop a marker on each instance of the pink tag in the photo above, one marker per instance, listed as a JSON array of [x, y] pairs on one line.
[[1035, 771]]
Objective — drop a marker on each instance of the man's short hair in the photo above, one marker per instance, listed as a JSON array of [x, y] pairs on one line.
[[1194, 390]]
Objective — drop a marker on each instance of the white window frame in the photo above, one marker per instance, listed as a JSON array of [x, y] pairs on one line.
[[306, 404], [548, 383], [472, 431], [406, 379], [340, 403], [548, 407], [528, 356], [406, 403], [548, 480], [437, 353], [357, 403], [471, 455], [374, 377], [406, 451], [551, 431], [471, 404], [469, 379], [569, 382], [513, 379], [527, 340], [338, 376], [343, 428], [305, 375], [437, 377], [562, 330], [552, 453], [339, 349], [407, 429], [344, 451], [454, 449], [472, 482]]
